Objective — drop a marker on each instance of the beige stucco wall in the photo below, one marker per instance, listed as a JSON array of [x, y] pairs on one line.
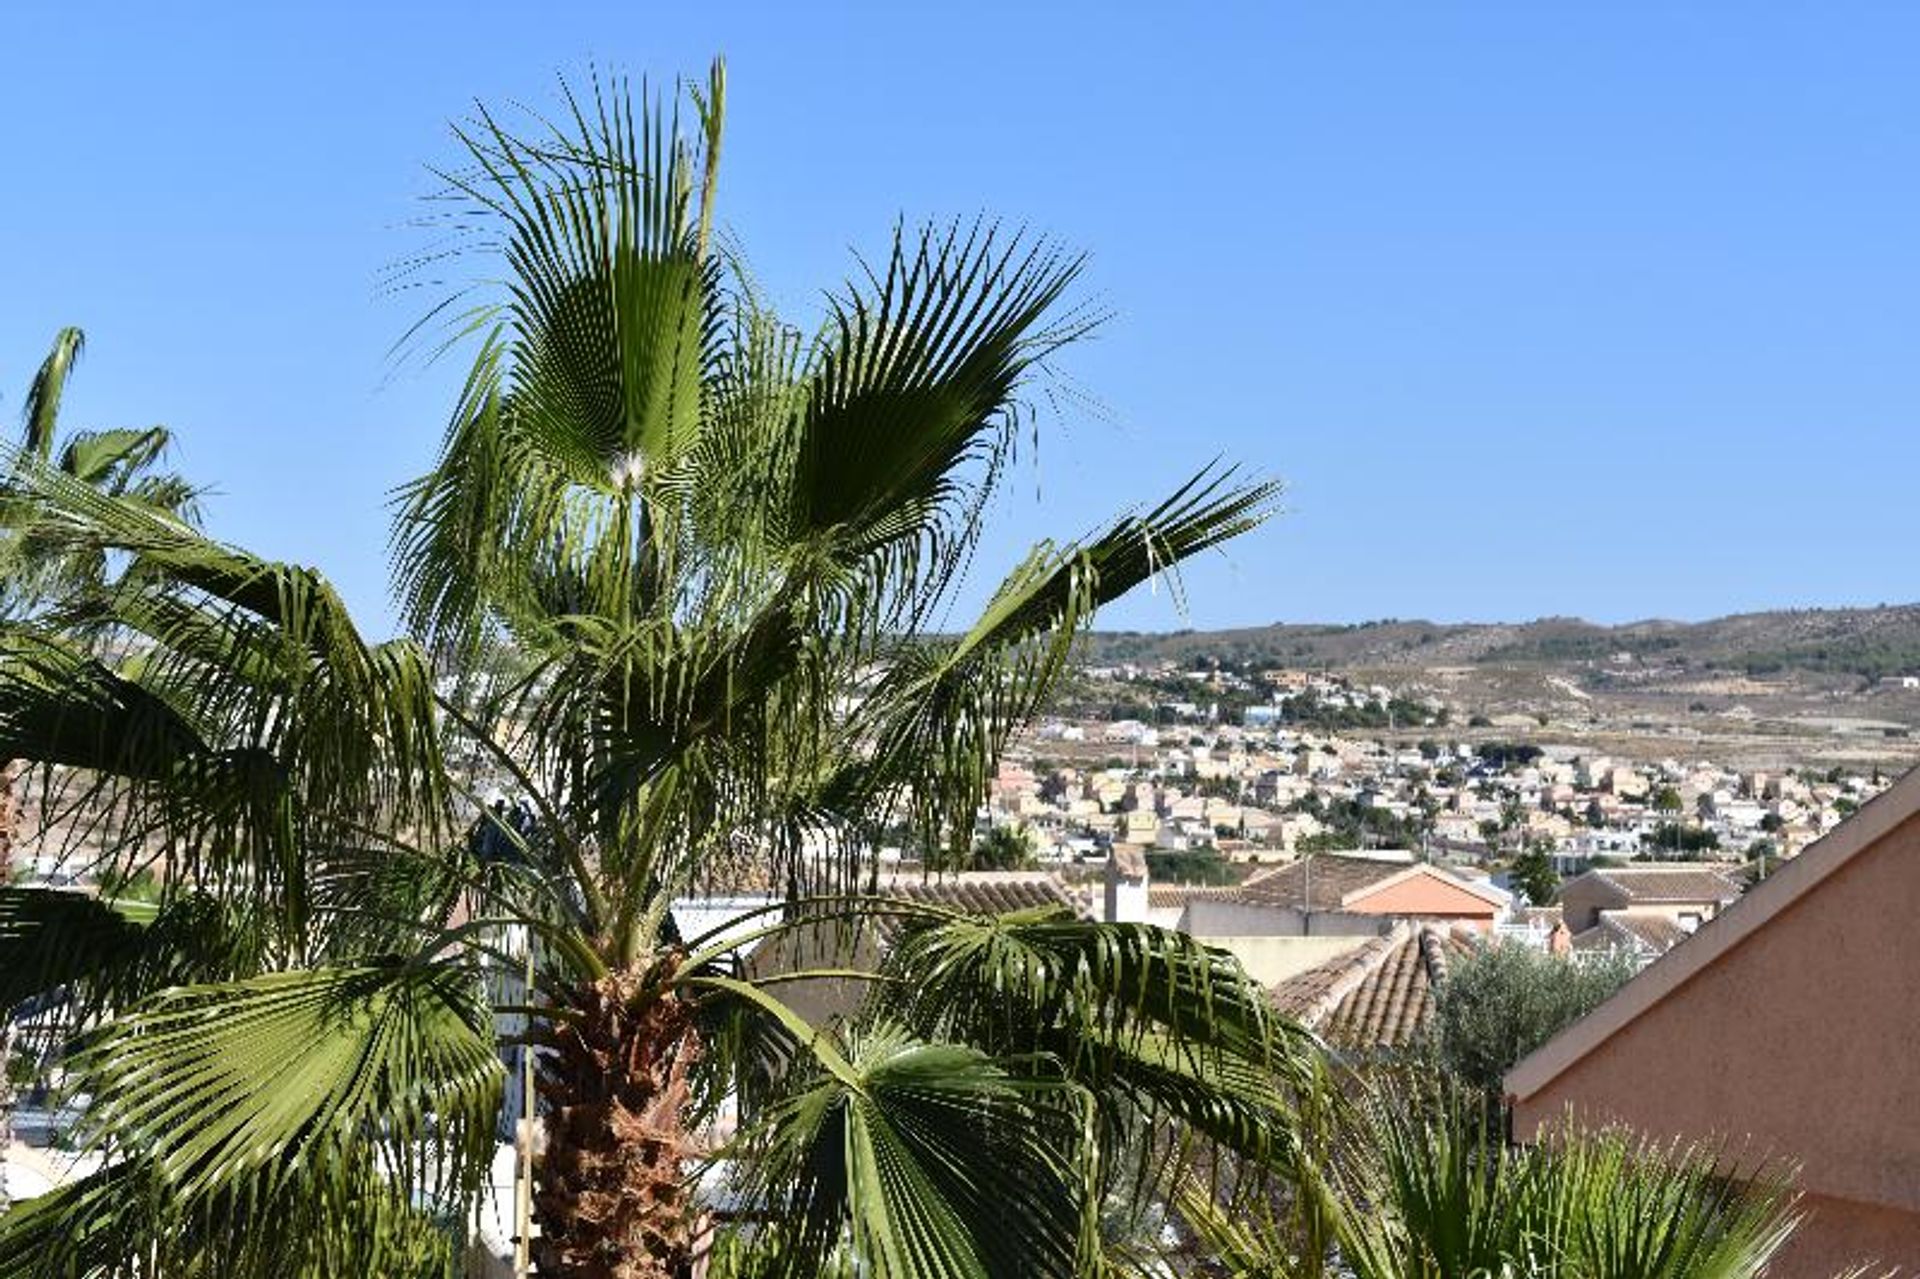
[[1801, 1042], [1271, 960], [1210, 918]]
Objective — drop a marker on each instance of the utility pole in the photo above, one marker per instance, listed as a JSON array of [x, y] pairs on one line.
[[1306, 895], [523, 1179]]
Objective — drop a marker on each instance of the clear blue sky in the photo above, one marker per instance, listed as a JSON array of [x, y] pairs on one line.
[[1610, 313]]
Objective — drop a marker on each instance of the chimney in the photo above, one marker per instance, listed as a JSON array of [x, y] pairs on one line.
[[1126, 885]]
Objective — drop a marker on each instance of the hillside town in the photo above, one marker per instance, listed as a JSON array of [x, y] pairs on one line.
[[1213, 797], [753, 757]]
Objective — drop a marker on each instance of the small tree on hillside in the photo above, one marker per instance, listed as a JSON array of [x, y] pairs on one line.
[[1506, 999], [1532, 873], [1006, 848]]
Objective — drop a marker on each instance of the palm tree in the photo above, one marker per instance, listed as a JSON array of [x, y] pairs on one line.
[[120, 461], [681, 580], [1423, 1187], [116, 461]]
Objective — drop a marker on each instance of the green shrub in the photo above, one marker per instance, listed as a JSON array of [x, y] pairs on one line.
[[1506, 999]]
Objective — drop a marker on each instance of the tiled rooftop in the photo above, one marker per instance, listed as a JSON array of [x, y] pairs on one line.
[[1321, 882], [1379, 996], [1168, 896], [1652, 934], [987, 892], [1669, 883]]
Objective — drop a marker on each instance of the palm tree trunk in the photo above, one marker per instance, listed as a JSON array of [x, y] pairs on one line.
[[9, 835], [7, 1099], [611, 1194], [9, 815]]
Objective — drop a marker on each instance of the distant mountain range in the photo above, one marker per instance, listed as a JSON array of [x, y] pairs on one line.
[[1857, 643]]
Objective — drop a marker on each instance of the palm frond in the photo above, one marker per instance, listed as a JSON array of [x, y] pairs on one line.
[[79, 951], [1433, 1190], [120, 1221], [1634, 1207], [60, 705], [945, 709], [42, 409], [1164, 1032], [1452, 1198], [587, 394], [256, 657], [926, 1161], [232, 1092], [912, 405], [110, 459]]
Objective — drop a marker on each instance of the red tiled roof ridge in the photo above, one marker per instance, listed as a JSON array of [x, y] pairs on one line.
[[1354, 967], [1433, 951], [1164, 894], [989, 892], [1379, 995]]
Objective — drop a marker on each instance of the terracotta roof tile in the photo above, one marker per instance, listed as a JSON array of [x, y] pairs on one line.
[[987, 892], [1167, 896], [1658, 933], [1310, 996], [1617, 930], [1669, 883], [1379, 996], [1324, 878]]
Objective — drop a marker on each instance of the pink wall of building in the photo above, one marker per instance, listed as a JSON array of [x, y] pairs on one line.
[[1800, 1041], [1426, 897]]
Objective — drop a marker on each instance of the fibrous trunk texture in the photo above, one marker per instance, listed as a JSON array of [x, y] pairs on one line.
[[611, 1196], [9, 815]]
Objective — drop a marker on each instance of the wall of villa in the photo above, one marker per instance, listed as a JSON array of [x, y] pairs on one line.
[[1802, 1042]]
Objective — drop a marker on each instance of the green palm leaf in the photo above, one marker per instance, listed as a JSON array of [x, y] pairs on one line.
[[1430, 1190], [60, 705], [589, 391], [1160, 1029], [35, 563], [233, 1090], [355, 1225], [916, 379], [98, 960], [1635, 1208], [112, 459], [946, 709], [929, 1161], [42, 410]]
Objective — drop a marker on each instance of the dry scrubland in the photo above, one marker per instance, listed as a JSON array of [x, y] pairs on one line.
[[1803, 688]]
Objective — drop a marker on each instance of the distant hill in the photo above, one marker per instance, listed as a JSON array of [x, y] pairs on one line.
[[1861, 643]]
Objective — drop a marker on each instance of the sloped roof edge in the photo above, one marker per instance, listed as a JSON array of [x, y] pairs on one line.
[[1763, 902], [1688, 872], [1485, 893], [1360, 965]]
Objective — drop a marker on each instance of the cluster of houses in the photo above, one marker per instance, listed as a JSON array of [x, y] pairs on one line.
[[1776, 1020], [1776, 1011], [1257, 793]]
